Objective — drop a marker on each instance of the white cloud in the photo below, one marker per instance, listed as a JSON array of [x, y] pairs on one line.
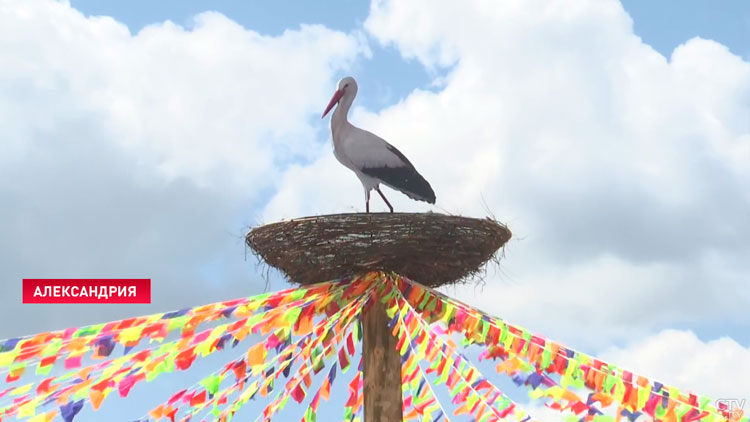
[[675, 357], [219, 104], [143, 154], [623, 173]]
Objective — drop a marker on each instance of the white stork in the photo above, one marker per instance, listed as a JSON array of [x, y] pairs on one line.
[[371, 158]]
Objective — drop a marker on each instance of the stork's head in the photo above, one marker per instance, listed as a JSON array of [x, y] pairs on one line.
[[347, 88]]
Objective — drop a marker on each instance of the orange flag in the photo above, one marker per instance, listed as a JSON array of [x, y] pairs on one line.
[[256, 355]]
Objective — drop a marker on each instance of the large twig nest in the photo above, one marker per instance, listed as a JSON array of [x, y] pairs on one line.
[[434, 249]]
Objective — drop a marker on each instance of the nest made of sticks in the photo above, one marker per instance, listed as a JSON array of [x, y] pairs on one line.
[[433, 249]]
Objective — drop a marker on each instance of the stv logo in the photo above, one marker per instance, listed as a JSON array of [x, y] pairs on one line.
[[731, 409]]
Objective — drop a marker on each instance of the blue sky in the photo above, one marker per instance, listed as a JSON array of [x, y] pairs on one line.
[[613, 142], [387, 72], [664, 25]]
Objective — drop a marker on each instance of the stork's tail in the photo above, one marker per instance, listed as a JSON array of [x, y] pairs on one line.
[[419, 189]]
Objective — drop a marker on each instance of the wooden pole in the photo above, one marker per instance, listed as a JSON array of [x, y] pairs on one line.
[[382, 368]]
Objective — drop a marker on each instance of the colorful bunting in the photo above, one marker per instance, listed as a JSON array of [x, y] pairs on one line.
[[535, 362], [453, 369], [315, 330]]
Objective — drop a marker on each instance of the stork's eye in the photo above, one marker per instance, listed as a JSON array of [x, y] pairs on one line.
[[345, 85]]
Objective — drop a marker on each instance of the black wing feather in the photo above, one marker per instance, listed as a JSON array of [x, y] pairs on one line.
[[405, 178]]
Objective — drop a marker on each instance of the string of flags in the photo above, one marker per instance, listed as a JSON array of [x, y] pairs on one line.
[[303, 339]]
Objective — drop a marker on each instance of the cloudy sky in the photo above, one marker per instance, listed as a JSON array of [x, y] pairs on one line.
[[142, 140]]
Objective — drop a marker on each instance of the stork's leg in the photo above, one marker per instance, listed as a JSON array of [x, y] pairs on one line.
[[383, 196], [367, 202]]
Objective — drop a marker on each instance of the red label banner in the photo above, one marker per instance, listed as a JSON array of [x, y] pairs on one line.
[[86, 290]]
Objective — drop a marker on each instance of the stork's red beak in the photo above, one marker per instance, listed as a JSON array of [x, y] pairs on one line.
[[336, 97]]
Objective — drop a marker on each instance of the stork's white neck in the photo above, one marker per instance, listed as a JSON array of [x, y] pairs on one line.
[[339, 118]]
